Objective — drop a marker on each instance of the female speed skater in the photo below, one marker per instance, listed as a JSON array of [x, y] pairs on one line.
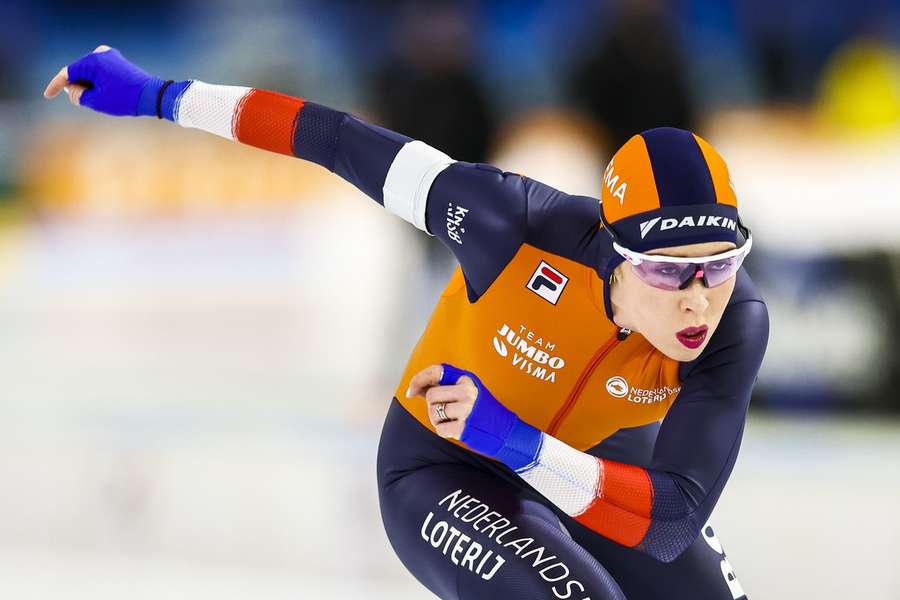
[[616, 344]]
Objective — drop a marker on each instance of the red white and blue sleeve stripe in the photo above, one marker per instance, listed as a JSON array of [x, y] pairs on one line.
[[636, 507], [658, 509], [394, 170], [408, 177]]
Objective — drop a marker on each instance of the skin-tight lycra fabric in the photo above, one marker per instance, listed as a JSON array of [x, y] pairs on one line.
[[469, 529]]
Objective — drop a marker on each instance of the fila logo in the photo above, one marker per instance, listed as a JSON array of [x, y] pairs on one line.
[[703, 221], [547, 282]]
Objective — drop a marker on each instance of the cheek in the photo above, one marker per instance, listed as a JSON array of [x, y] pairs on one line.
[[656, 310]]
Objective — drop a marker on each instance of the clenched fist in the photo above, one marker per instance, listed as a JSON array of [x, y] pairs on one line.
[[449, 404], [107, 82]]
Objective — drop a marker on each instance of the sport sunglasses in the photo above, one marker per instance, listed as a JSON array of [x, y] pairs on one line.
[[675, 272]]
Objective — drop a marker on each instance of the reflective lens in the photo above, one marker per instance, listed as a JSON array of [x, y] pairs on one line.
[[678, 275]]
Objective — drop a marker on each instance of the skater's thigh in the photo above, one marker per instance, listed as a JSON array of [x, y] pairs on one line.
[[701, 572], [467, 534]]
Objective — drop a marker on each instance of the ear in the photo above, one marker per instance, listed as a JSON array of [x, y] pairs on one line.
[[616, 275], [616, 290]]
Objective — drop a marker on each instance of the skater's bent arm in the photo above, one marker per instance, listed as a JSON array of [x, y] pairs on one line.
[[660, 509]]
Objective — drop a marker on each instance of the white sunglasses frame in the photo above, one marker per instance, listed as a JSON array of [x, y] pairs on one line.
[[636, 258]]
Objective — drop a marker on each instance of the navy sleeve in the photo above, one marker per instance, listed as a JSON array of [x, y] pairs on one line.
[[364, 153], [484, 214], [481, 213], [700, 436]]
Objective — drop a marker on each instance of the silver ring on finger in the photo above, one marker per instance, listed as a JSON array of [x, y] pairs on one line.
[[439, 410]]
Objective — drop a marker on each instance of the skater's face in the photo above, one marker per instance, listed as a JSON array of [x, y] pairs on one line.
[[661, 316]]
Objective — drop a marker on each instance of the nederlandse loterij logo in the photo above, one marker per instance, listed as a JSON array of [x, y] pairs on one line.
[[530, 352], [547, 282], [617, 386], [703, 221]]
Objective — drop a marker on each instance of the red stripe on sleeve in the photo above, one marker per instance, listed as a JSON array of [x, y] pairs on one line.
[[627, 486], [623, 509], [267, 120], [615, 522]]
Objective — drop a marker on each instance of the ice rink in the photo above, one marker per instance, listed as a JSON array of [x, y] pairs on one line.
[[192, 411]]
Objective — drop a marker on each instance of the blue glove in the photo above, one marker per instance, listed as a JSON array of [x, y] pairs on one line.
[[114, 85], [493, 429]]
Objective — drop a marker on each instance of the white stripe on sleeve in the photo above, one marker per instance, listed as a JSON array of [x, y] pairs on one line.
[[209, 107], [409, 180], [568, 478]]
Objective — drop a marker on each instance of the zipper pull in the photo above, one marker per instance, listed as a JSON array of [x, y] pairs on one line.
[[624, 332]]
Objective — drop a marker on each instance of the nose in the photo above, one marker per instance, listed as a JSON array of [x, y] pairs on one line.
[[693, 297]]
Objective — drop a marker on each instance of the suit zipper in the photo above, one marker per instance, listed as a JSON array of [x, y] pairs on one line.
[[570, 402]]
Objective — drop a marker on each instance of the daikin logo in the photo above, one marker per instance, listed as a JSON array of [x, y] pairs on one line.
[[703, 221], [648, 225]]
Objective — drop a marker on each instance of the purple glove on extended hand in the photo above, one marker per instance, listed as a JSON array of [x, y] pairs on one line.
[[115, 86]]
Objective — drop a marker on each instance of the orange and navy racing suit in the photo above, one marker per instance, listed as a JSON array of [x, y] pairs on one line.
[[529, 312]]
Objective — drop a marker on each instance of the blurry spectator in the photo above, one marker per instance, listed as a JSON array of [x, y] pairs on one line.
[[634, 78], [427, 88], [791, 42], [860, 88]]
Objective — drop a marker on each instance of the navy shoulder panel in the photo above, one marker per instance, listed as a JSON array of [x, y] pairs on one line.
[[484, 214], [564, 224], [479, 213]]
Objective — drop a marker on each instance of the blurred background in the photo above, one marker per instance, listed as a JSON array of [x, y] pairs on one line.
[[198, 340]]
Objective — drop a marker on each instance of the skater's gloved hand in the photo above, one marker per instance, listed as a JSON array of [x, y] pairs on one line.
[[106, 82], [460, 406]]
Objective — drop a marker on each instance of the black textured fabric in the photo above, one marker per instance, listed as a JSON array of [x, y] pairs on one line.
[[539, 558], [417, 468], [316, 134], [365, 153]]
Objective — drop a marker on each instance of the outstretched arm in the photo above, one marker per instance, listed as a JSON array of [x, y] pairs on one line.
[[411, 179], [390, 168], [658, 510]]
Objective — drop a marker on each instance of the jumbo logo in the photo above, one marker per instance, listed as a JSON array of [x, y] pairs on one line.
[[530, 353]]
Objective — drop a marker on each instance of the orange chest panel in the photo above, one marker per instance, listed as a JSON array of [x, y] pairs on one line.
[[539, 339]]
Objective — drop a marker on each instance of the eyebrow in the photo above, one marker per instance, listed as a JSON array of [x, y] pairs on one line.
[[652, 253]]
